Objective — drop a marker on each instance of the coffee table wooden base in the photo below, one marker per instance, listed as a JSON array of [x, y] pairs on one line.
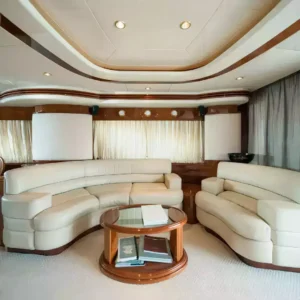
[[150, 273]]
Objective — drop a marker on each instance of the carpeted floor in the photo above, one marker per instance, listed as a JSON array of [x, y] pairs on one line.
[[213, 272]]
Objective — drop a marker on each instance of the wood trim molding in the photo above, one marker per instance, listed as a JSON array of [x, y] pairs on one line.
[[56, 250], [29, 41], [61, 108], [157, 114], [91, 95], [252, 263], [222, 109], [16, 113]]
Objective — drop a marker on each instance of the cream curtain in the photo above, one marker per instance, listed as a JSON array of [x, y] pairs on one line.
[[180, 141], [15, 141]]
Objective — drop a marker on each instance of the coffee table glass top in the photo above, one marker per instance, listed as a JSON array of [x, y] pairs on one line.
[[131, 217]]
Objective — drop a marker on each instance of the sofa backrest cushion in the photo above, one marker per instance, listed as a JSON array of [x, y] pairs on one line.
[[28, 178], [280, 181], [61, 187], [252, 191]]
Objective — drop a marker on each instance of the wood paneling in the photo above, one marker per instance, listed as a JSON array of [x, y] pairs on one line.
[[16, 113], [33, 44], [222, 109], [194, 173], [244, 110], [61, 108], [1, 217], [189, 206], [184, 114], [170, 97]]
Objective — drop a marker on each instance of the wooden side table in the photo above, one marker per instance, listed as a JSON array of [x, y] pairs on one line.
[[189, 205], [152, 272]]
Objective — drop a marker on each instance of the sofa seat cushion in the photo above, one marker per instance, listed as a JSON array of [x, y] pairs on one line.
[[237, 218], [154, 193], [241, 200], [111, 194], [65, 213]]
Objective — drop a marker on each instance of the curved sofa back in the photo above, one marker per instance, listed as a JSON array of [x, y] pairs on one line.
[[280, 181], [82, 173]]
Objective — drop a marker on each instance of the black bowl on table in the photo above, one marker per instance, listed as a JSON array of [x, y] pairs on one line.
[[244, 158]]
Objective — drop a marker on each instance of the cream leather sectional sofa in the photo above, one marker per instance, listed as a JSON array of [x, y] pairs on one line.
[[47, 206], [256, 210]]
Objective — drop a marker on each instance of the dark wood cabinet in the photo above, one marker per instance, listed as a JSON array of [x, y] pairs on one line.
[[189, 205]]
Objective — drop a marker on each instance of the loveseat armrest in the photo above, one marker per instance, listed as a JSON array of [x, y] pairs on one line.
[[213, 185], [173, 181], [280, 215], [25, 205]]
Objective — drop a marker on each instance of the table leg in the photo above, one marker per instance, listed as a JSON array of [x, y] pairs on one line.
[[110, 244], [176, 243]]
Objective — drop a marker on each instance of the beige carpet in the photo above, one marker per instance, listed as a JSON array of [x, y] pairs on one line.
[[213, 272]]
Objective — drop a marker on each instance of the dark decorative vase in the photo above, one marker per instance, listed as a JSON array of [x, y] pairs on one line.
[[244, 158]]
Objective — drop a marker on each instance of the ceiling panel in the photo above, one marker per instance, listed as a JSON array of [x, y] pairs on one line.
[[6, 39], [152, 29]]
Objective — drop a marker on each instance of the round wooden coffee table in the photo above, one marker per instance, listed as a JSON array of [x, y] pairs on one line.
[[128, 220]]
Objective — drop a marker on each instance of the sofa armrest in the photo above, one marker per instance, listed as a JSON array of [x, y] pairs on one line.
[[280, 215], [25, 205], [213, 185], [173, 181]]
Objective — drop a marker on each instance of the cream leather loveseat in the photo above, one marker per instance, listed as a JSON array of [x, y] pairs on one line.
[[256, 210], [47, 206]]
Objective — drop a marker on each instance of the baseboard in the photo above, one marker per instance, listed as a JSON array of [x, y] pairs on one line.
[[254, 263], [55, 251]]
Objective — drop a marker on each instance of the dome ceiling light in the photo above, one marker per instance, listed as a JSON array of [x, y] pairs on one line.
[[148, 88], [239, 78], [147, 113], [174, 113], [122, 113], [185, 25], [120, 24], [47, 74]]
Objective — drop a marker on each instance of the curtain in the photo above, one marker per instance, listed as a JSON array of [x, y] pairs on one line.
[[15, 141], [274, 124], [180, 141]]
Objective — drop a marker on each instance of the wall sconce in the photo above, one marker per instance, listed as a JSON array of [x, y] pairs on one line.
[[122, 113], [147, 113], [174, 113]]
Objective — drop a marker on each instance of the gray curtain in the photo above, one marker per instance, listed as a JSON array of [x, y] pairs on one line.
[[274, 124]]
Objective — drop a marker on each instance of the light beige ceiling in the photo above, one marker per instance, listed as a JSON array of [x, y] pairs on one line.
[[23, 67], [152, 39]]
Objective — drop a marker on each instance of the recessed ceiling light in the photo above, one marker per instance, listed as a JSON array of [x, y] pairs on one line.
[[47, 74], [239, 78], [185, 25], [120, 24], [148, 88]]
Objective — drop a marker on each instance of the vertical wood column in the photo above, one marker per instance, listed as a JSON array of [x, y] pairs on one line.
[[176, 243], [110, 244]]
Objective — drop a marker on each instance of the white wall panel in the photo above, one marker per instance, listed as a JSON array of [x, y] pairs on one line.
[[222, 135], [62, 137]]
